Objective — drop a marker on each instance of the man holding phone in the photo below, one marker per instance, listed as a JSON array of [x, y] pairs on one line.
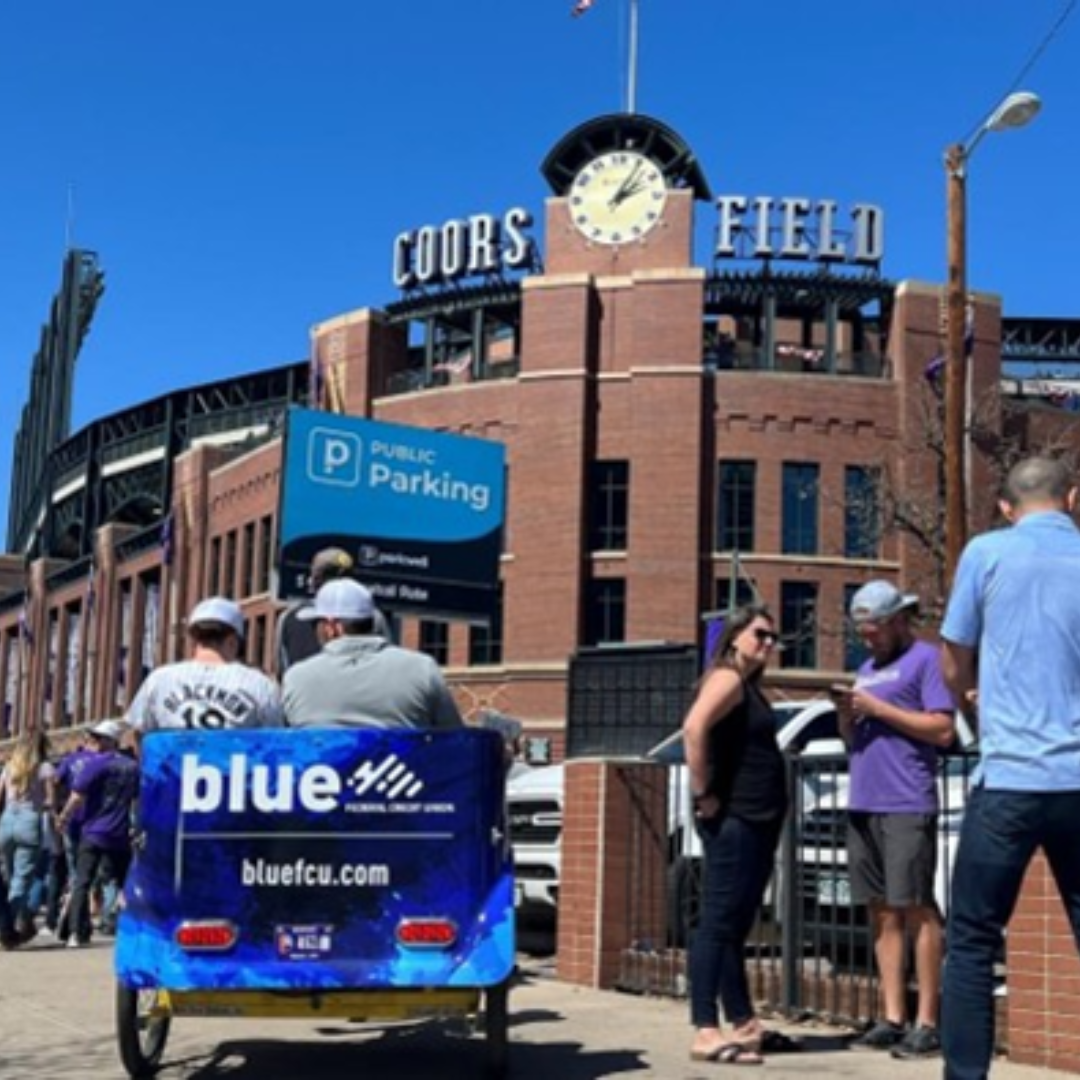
[[894, 718]]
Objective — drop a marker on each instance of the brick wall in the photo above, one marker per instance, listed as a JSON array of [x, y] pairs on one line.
[[1043, 977], [614, 849]]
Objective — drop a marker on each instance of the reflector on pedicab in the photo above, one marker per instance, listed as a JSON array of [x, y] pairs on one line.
[[427, 933], [206, 935]]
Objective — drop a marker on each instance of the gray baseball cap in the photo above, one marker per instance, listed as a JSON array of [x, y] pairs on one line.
[[880, 600]]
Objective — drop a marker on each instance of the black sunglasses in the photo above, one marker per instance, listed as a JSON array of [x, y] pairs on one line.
[[769, 637]]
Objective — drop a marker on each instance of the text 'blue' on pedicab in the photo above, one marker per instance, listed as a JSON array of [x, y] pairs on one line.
[[361, 874]]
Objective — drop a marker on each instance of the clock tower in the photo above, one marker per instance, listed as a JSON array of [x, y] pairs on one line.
[[624, 187]]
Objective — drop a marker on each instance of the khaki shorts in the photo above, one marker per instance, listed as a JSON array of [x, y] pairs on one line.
[[892, 858]]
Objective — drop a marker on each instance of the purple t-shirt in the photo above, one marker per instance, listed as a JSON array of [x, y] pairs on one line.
[[70, 767], [892, 773], [110, 782]]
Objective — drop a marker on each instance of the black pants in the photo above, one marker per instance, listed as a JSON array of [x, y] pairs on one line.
[[739, 859], [113, 865]]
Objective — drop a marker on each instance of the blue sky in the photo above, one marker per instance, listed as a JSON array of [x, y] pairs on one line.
[[242, 167]]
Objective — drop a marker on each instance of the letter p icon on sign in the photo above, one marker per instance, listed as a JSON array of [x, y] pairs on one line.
[[334, 457]]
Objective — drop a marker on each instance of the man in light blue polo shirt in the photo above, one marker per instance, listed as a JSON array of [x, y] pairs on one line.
[[1012, 633]]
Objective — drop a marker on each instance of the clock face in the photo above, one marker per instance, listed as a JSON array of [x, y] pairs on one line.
[[617, 197]]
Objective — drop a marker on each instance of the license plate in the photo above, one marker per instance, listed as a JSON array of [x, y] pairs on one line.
[[834, 890]]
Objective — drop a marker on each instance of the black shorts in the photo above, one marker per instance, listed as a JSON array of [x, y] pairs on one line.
[[892, 858]]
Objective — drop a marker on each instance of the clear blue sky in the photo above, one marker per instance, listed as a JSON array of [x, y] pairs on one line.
[[242, 167]]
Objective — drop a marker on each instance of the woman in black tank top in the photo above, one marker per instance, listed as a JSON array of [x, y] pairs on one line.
[[740, 798]]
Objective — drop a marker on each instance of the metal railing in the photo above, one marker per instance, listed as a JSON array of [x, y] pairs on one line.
[[810, 951]]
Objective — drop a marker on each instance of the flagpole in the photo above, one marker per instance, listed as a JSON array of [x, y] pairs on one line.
[[631, 81]]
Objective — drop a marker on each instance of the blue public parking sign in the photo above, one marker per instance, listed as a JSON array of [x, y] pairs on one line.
[[420, 511]]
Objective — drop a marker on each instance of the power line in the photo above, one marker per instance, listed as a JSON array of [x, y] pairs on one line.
[[1032, 60]]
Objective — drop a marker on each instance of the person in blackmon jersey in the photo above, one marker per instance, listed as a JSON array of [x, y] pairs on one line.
[[212, 689], [360, 679]]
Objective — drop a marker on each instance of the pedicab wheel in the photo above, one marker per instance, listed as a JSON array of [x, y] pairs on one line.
[[497, 1028], [140, 1034]]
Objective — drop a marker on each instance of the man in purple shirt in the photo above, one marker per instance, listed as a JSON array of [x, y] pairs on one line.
[[103, 792], [894, 719]]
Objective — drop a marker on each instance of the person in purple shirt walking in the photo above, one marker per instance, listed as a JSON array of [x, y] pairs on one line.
[[894, 719], [104, 792]]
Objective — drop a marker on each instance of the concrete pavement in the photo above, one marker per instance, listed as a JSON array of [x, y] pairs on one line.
[[56, 1023]]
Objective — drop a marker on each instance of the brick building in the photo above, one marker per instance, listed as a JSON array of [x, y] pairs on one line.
[[679, 432], [676, 435]]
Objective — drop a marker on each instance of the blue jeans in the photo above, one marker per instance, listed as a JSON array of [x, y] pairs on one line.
[[999, 836], [738, 862], [20, 843]]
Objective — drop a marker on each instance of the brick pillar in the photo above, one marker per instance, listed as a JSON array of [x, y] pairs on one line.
[[1043, 976], [614, 860], [358, 354]]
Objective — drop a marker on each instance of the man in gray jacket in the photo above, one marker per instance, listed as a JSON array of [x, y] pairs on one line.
[[359, 679]]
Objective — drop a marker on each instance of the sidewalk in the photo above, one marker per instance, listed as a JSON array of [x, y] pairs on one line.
[[56, 1022]]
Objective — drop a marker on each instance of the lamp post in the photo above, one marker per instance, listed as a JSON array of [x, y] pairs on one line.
[[1015, 111]]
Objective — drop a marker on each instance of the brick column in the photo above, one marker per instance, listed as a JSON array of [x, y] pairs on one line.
[[614, 858], [1043, 976]]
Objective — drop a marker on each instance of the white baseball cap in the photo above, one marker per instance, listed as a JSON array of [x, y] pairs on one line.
[[880, 600], [108, 729], [342, 599], [218, 610]]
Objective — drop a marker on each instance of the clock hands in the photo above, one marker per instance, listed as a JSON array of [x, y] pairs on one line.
[[630, 186]]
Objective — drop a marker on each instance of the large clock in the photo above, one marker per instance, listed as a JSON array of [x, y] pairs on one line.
[[617, 197]]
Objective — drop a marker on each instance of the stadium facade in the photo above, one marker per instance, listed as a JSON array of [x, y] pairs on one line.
[[679, 435]]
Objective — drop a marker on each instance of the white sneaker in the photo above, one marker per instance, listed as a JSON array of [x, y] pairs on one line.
[[75, 943]]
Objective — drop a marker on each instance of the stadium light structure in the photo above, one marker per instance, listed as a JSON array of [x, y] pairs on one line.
[[1014, 111]]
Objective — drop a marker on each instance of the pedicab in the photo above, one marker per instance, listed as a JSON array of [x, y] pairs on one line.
[[359, 874]]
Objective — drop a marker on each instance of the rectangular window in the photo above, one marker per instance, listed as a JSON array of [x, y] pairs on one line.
[[854, 649], [800, 509], [609, 502], [12, 679], [228, 576], [485, 642], [862, 513], [735, 505], [798, 624], [213, 577], [257, 656], [72, 653], [605, 611], [744, 593], [247, 587], [123, 657], [266, 554], [151, 625], [435, 640]]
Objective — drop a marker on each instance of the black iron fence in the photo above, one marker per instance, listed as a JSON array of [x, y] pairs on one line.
[[811, 949]]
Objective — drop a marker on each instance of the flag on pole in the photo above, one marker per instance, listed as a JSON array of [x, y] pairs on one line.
[[26, 631], [167, 539], [91, 587], [580, 8]]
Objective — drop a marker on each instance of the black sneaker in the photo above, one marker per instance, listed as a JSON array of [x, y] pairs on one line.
[[884, 1035], [919, 1042]]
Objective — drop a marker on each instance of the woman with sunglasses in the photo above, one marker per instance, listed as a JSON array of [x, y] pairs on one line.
[[740, 797]]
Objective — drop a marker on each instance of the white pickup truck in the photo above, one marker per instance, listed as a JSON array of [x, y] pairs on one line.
[[535, 803]]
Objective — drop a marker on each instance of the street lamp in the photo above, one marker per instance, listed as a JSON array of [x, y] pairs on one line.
[[1015, 111]]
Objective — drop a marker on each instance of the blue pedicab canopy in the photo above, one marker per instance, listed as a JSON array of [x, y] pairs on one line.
[[319, 860]]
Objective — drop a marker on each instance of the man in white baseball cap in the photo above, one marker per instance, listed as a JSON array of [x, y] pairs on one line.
[[359, 679], [213, 689]]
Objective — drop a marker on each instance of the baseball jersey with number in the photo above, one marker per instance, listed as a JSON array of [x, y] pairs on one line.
[[191, 694]]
